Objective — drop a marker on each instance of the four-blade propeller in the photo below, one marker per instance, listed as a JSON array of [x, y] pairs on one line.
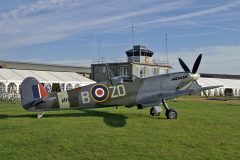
[[195, 66], [194, 69]]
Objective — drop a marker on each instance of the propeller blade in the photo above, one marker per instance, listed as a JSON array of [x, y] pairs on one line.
[[196, 64], [205, 94], [184, 66]]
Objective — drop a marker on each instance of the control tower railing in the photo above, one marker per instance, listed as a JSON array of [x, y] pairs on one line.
[[103, 60]]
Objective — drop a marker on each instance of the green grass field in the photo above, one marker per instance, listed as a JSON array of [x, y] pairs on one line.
[[204, 130]]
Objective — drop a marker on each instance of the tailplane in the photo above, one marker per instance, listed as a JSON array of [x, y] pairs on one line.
[[32, 93]]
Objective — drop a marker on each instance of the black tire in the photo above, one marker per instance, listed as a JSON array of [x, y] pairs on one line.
[[171, 114], [151, 112]]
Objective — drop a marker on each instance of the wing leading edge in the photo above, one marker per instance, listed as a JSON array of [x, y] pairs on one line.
[[178, 93], [156, 98]]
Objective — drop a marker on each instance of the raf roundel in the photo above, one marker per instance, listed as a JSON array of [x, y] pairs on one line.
[[99, 92]]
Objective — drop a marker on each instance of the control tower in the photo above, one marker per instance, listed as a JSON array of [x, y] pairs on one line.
[[139, 54], [139, 62]]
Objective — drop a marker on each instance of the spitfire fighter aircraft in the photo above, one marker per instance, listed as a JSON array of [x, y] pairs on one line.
[[145, 92]]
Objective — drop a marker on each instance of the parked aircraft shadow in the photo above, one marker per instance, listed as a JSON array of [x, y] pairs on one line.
[[110, 119], [146, 116]]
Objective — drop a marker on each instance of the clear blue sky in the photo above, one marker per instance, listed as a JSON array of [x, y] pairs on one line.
[[62, 31]]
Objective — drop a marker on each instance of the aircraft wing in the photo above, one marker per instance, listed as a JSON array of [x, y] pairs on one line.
[[173, 94], [155, 98]]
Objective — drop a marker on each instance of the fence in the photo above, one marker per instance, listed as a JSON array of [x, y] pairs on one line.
[[9, 97]]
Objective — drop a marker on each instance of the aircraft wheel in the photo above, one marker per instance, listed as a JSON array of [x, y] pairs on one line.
[[40, 115], [154, 112], [171, 114]]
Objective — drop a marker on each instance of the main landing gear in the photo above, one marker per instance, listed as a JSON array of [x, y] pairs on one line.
[[170, 113]]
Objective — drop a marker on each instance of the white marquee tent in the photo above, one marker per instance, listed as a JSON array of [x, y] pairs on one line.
[[229, 85], [10, 79]]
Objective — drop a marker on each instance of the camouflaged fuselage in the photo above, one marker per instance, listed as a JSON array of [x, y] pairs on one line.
[[146, 91]]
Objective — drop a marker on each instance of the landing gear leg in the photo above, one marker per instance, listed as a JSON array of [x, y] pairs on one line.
[[170, 113], [40, 115]]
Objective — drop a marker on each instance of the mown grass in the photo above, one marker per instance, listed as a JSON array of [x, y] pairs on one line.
[[204, 130]]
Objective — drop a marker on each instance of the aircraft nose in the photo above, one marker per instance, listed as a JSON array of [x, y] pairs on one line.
[[195, 76]]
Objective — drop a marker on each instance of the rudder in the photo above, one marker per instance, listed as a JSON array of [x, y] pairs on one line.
[[32, 93]]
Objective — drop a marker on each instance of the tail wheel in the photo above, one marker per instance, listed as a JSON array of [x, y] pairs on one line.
[[171, 114]]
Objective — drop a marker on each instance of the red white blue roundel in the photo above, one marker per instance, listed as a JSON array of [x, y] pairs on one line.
[[99, 92]]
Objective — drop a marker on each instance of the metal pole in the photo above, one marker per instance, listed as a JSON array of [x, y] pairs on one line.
[[132, 35], [94, 44], [166, 46], [99, 50], [133, 40]]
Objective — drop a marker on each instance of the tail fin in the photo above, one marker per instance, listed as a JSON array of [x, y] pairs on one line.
[[32, 93]]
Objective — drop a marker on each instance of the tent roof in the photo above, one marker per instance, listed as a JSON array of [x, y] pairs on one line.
[[227, 83], [15, 75]]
